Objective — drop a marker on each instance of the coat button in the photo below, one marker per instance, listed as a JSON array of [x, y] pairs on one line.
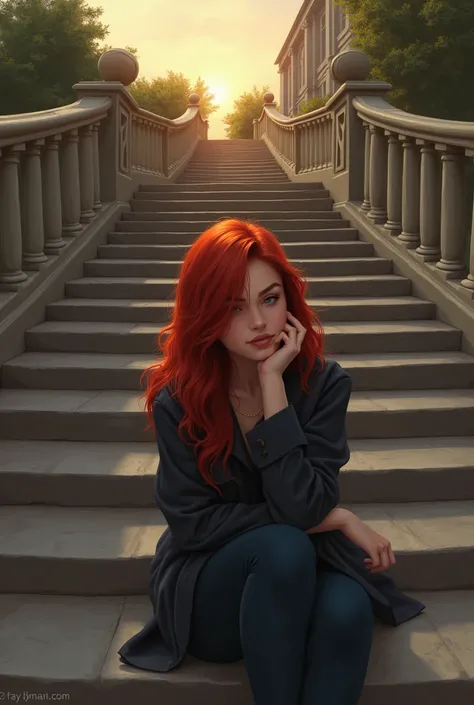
[[261, 442], [264, 453]]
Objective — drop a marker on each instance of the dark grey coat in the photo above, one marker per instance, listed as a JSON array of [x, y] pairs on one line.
[[291, 478]]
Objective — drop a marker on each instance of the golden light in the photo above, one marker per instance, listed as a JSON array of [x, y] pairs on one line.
[[220, 91]]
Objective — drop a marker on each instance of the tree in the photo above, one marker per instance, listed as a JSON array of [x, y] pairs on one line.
[[423, 48], [45, 47], [169, 97], [312, 104], [247, 108]]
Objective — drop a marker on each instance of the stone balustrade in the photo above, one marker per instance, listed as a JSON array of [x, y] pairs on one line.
[[408, 172], [57, 167]]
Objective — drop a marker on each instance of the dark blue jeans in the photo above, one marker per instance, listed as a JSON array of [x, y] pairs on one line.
[[303, 629]]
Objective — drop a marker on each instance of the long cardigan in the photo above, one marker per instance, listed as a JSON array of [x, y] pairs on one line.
[[290, 478]]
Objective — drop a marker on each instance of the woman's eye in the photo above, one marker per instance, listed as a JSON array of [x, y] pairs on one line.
[[274, 296]]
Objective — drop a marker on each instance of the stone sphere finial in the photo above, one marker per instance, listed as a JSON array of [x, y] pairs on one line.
[[269, 98], [194, 99], [118, 65], [350, 65]]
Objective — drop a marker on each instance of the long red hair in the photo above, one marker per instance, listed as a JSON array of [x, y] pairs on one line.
[[194, 360]]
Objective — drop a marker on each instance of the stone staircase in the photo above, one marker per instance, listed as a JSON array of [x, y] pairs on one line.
[[77, 518]]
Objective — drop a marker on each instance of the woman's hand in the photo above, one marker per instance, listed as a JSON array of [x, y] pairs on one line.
[[377, 546], [292, 336]]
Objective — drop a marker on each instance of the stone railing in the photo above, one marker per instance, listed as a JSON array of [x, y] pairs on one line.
[[408, 173], [58, 166]]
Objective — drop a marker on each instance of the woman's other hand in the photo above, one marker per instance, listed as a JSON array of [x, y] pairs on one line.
[[376, 545]]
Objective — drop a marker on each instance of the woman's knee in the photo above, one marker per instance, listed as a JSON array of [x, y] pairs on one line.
[[286, 551], [345, 608]]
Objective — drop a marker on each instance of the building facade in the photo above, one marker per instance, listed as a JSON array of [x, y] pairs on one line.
[[320, 31]]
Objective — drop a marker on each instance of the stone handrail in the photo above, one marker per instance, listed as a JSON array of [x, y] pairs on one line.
[[409, 172], [58, 166]]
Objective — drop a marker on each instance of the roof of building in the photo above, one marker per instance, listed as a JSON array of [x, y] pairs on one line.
[[294, 28]]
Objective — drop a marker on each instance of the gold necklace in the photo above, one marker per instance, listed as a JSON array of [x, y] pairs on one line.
[[242, 413]]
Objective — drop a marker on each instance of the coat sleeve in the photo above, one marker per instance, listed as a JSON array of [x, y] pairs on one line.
[[197, 518], [300, 465]]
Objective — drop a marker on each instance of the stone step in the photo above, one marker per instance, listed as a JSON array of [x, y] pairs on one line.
[[101, 474], [316, 203], [116, 369], [305, 206], [149, 209], [107, 551], [317, 250], [330, 309], [148, 288], [425, 660], [245, 179], [171, 268], [92, 415], [174, 232], [273, 195], [289, 188], [349, 337], [237, 167]]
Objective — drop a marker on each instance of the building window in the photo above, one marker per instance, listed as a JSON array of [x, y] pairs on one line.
[[301, 67], [322, 37]]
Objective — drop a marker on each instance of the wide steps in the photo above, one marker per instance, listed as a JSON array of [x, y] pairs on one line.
[[107, 551], [69, 644], [148, 287], [346, 337], [172, 233], [287, 188], [143, 210], [101, 474], [303, 251], [342, 266], [329, 309], [105, 415], [143, 202], [111, 369], [274, 195]]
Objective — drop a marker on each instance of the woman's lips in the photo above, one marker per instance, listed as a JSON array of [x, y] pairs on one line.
[[263, 343]]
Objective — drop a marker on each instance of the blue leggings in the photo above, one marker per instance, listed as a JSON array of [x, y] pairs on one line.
[[305, 638]]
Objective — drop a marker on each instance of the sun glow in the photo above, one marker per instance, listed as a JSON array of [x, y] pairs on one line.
[[220, 91]]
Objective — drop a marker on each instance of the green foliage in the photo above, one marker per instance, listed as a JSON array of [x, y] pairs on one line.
[[247, 108], [423, 48], [45, 47], [169, 97], [312, 104]]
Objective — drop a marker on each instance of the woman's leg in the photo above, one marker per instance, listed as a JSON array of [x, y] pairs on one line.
[[339, 641], [253, 599]]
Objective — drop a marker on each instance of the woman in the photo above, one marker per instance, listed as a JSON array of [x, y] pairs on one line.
[[258, 561]]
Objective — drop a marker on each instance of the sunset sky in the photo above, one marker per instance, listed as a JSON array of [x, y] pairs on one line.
[[232, 45]]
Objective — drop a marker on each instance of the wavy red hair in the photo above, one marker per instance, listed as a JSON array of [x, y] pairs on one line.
[[195, 363]]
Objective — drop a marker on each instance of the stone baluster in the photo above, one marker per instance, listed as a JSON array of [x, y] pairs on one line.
[[11, 274], [429, 199], [52, 210], [378, 176], [453, 214], [95, 146], [394, 184], [312, 143], [410, 234], [320, 145], [32, 207], [70, 184], [365, 207], [86, 173], [468, 283], [297, 150]]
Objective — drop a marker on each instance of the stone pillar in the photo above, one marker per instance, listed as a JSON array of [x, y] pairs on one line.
[[410, 234], [52, 210], [365, 207], [468, 283], [453, 208], [394, 184], [11, 247], [86, 173], [95, 146], [294, 82], [32, 210], [378, 176], [429, 199], [70, 184], [308, 57]]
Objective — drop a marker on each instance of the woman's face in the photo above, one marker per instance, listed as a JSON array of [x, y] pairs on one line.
[[258, 313]]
